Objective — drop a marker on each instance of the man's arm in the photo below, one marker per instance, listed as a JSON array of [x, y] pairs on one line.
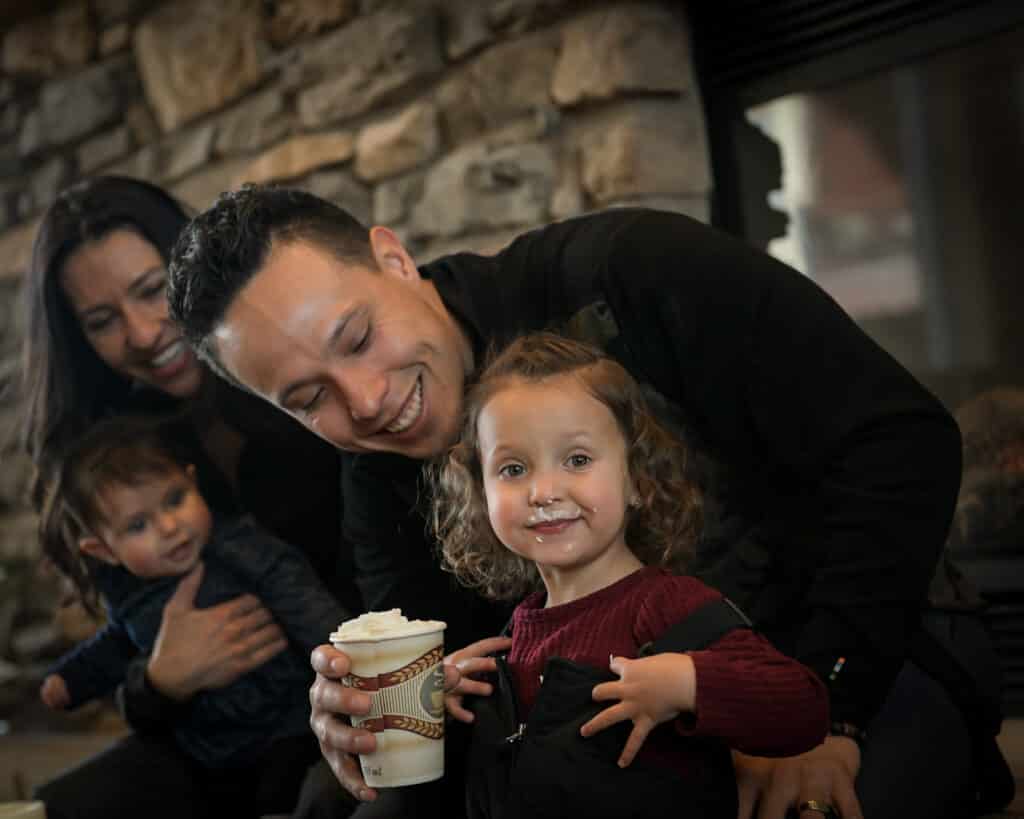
[[839, 444], [783, 383]]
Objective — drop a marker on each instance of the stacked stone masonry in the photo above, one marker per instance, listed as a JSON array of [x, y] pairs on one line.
[[458, 122]]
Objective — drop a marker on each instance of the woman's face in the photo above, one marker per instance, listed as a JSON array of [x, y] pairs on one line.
[[115, 286]]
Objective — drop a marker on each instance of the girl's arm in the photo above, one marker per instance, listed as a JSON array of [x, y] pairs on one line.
[[757, 699], [740, 689]]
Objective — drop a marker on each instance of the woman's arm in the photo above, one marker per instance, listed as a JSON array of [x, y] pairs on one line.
[[197, 649]]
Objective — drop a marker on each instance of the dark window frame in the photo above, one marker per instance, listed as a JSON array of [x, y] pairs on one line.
[[809, 45]]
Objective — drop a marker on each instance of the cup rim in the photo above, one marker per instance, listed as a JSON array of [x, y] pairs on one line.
[[336, 642]]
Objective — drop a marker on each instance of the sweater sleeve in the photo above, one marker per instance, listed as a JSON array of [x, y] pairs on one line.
[[283, 579], [748, 693], [95, 667], [852, 467]]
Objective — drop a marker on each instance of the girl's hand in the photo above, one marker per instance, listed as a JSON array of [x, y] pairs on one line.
[[197, 649], [54, 692], [459, 668], [650, 690]]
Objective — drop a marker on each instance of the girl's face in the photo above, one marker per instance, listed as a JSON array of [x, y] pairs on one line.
[[115, 286], [155, 529], [556, 478]]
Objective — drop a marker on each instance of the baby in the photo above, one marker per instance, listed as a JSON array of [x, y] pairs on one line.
[[124, 518]]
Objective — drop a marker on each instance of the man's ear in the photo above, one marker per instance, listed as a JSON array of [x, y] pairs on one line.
[[94, 547], [390, 254]]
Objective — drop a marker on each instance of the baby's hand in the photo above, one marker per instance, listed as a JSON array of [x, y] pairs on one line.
[[459, 666], [650, 690], [54, 693]]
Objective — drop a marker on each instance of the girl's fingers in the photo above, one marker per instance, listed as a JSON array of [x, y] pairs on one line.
[[634, 743], [607, 691], [457, 710], [476, 665], [608, 717]]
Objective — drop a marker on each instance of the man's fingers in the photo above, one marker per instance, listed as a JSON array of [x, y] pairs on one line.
[[844, 799], [778, 797], [335, 698], [346, 769], [327, 661], [606, 718], [635, 742]]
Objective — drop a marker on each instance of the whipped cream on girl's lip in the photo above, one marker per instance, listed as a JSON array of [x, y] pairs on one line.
[[383, 625], [549, 514]]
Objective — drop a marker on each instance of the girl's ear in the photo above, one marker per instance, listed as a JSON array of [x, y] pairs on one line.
[[94, 547]]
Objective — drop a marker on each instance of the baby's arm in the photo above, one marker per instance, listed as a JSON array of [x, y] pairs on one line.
[[54, 692], [95, 667]]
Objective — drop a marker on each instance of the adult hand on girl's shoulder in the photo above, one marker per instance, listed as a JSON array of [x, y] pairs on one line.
[[768, 788], [459, 670], [650, 690], [197, 649]]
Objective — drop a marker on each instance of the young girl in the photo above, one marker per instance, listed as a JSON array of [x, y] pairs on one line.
[[124, 517], [563, 476]]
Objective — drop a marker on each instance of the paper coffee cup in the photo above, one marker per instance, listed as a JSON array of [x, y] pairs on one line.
[[398, 662]]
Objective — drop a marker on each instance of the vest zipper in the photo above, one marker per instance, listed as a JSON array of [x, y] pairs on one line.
[[511, 739]]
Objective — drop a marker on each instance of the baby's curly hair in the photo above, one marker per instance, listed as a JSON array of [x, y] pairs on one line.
[[661, 530]]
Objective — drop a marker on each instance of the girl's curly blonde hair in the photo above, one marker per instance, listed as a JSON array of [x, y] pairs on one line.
[[661, 530]]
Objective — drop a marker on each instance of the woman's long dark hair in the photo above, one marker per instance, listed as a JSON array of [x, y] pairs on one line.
[[66, 386]]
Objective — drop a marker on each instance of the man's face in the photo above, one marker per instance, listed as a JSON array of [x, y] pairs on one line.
[[370, 360]]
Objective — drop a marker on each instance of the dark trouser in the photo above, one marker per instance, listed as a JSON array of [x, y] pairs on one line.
[[917, 759], [150, 776]]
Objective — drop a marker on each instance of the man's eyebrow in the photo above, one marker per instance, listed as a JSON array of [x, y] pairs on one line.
[[329, 344]]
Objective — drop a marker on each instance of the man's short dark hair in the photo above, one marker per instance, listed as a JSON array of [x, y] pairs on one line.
[[220, 250]]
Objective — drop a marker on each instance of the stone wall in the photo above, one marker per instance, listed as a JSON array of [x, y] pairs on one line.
[[458, 122]]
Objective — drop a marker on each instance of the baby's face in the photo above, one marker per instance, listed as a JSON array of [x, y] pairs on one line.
[[159, 527], [555, 473]]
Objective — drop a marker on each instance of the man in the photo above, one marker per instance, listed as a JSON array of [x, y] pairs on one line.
[[830, 473]]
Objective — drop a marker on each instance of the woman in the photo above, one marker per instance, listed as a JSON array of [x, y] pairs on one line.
[[100, 342]]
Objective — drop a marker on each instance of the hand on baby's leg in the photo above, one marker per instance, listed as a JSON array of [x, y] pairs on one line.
[[54, 692], [650, 690]]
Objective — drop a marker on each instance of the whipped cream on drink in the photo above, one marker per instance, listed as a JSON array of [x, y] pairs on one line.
[[383, 625]]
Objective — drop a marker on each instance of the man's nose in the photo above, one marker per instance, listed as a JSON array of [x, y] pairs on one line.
[[364, 390]]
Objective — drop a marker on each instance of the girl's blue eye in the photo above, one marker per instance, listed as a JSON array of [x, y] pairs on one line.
[[578, 461], [512, 471], [153, 291], [175, 498], [135, 525]]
